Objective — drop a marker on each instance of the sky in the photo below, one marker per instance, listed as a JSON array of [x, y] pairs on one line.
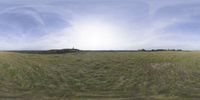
[[99, 24]]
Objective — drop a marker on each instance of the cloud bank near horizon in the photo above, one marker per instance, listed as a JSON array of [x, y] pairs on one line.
[[99, 24]]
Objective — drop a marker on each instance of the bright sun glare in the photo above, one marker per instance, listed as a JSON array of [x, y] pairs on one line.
[[94, 34]]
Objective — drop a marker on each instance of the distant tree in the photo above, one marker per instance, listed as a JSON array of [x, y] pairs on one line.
[[142, 50], [179, 50]]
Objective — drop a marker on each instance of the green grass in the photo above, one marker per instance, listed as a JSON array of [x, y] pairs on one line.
[[100, 76]]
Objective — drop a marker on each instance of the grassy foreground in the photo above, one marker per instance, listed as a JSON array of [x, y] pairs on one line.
[[100, 76]]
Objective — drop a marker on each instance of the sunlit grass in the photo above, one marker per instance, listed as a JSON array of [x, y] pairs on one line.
[[100, 75]]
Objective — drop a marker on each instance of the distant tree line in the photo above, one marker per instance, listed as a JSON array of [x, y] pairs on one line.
[[160, 50], [57, 51], [53, 51], [61, 51]]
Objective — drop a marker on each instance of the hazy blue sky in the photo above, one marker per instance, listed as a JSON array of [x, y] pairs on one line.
[[99, 24]]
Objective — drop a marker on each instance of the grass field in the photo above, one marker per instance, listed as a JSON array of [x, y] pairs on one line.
[[100, 76]]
